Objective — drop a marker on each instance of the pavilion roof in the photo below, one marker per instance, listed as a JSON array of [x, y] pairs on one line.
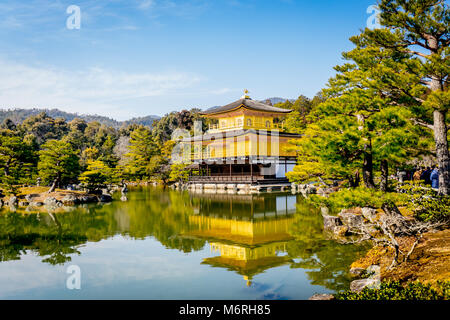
[[248, 104]]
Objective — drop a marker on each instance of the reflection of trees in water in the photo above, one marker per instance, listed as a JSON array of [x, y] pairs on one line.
[[164, 215], [42, 235], [56, 236], [327, 260]]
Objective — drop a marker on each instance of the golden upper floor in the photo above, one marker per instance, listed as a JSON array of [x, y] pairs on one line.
[[245, 114]]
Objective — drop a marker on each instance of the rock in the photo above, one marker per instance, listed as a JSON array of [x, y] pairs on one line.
[[70, 199], [359, 285], [340, 231], [123, 198], [88, 199], [35, 204], [96, 192], [29, 197], [350, 219], [322, 297], [307, 189], [1, 203], [23, 203], [325, 210], [369, 213], [50, 201], [12, 201], [105, 198], [330, 222], [374, 272], [356, 272]]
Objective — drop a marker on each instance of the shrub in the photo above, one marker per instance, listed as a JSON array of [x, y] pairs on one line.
[[357, 197], [426, 203], [393, 290]]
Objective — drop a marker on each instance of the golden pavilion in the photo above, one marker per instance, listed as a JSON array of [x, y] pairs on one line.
[[246, 143], [247, 242]]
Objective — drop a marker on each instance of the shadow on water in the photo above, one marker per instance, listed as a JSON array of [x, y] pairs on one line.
[[249, 234]]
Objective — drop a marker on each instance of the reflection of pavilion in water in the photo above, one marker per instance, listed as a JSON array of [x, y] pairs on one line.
[[249, 232]]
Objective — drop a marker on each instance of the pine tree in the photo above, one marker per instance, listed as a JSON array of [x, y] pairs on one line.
[[419, 30], [142, 149], [97, 175], [58, 163], [357, 127], [16, 159]]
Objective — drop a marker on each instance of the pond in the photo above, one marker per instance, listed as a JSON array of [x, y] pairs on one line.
[[167, 244]]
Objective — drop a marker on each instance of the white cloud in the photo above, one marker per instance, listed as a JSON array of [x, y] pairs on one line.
[[221, 91], [94, 90], [146, 4]]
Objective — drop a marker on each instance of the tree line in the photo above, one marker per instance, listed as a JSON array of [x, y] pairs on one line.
[[57, 153], [387, 104]]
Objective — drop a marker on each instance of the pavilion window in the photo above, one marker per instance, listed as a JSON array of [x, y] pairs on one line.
[[267, 124], [249, 122]]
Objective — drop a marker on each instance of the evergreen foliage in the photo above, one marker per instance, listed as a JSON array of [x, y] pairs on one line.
[[394, 290]]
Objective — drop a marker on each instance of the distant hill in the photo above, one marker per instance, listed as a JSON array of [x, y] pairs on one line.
[[19, 115], [276, 100], [145, 121]]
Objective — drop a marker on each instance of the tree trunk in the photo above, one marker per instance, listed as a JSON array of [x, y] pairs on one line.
[[384, 175], [442, 154], [7, 165], [440, 128], [368, 170], [354, 180], [390, 209], [53, 187]]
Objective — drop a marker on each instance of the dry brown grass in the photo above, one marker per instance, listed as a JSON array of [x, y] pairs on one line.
[[429, 262]]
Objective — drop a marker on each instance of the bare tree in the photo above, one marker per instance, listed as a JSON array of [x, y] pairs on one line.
[[392, 225]]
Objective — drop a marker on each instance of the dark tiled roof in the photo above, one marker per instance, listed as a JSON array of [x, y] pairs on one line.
[[248, 103]]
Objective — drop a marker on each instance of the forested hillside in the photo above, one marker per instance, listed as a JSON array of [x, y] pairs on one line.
[[19, 115]]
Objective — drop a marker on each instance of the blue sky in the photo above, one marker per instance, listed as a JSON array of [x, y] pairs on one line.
[[140, 57]]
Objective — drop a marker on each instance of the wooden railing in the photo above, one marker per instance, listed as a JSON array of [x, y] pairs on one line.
[[256, 125], [226, 179]]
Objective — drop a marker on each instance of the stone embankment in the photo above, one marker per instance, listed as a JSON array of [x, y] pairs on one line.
[[34, 201], [343, 228], [428, 263], [248, 188]]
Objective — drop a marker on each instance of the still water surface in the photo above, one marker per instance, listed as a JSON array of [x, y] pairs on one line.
[[164, 244]]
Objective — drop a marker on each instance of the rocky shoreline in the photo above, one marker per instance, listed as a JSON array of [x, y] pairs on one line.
[[53, 200], [428, 263]]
